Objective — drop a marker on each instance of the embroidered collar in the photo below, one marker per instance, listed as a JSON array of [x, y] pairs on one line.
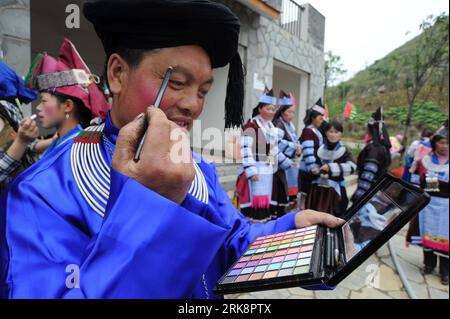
[[269, 133], [290, 128], [331, 155], [430, 162], [317, 132], [90, 161]]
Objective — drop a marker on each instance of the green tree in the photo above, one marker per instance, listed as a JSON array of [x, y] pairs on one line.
[[417, 68], [333, 69]]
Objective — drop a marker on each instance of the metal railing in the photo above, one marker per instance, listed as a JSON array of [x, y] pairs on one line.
[[291, 17], [409, 290]]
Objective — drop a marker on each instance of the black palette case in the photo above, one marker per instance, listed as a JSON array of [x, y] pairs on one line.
[[320, 257]]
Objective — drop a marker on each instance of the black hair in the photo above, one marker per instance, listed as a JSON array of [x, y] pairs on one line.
[[280, 112], [333, 124], [436, 139], [427, 133], [133, 57], [310, 116], [260, 105], [82, 113]]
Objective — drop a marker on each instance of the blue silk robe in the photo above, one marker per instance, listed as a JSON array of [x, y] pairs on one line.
[[126, 240]]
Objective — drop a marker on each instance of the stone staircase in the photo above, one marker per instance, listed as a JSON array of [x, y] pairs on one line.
[[227, 176]]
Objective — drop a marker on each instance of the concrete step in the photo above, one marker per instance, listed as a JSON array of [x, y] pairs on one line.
[[229, 186], [351, 180], [227, 179], [225, 171]]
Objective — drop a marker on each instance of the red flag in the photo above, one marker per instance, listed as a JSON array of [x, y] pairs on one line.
[[348, 110]]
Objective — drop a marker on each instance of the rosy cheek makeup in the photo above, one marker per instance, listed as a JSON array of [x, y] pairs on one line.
[[48, 110], [319, 257], [157, 104]]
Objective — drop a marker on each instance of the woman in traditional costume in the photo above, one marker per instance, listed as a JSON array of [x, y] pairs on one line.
[[375, 159], [286, 180], [255, 187], [417, 150], [310, 140], [430, 229], [69, 96], [328, 192]]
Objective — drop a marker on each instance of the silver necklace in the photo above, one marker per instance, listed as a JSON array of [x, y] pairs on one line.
[[111, 152]]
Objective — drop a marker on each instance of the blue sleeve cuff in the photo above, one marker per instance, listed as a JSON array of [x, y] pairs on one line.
[[319, 287]]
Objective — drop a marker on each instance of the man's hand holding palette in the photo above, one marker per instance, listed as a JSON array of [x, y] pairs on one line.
[[317, 257]]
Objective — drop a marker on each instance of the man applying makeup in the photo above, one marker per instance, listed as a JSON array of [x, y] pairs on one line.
[[97, 224]]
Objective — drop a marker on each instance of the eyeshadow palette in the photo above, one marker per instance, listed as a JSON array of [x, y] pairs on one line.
[[319, 256], [274, 256]]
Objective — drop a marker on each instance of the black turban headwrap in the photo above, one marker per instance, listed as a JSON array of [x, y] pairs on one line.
[[157, 24]]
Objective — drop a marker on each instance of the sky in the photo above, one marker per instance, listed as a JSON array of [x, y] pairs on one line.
[[363, 31]]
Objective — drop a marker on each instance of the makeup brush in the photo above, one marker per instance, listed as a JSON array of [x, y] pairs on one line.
[[157, 103], [328, 247], [332, 260], [336, 250]]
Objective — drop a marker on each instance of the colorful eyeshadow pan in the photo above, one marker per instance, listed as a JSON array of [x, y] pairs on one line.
[[257, 257], [270, 274], [300, 270], [306, 248], [246, 271], [265, 261], [234, 272], [249, 252], [288, 264], [281, 255], [286, 272], [303, 262], [242, 278], [261, 268], [229, 280], [274, 266], [278, 259], [305, 255], [256, 277], [269, 255], [291, 257], [296, 244]]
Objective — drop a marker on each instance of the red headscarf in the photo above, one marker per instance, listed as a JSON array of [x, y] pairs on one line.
[[69, 59]]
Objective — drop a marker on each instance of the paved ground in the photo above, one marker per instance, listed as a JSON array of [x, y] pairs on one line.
[[375, 279]]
